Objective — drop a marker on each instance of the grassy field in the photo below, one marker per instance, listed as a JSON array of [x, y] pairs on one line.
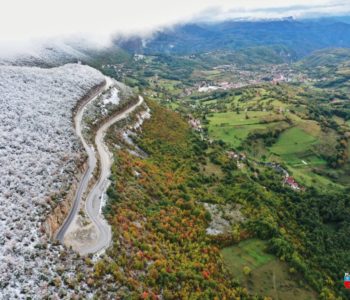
[[250, 253], [212, 169], [209, 74], [298, 147], [277, 104], [307, 177], [295, 147], [233, 135], [234, 128], [173, 105], [268, 275], [234, 119], [208, 102], [293, 140]]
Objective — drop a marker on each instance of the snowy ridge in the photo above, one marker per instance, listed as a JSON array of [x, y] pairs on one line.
[[39, 153], [48, 54]]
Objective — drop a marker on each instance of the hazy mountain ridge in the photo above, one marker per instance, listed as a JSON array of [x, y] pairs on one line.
[[326, 57], [284, 40], [301, 37]]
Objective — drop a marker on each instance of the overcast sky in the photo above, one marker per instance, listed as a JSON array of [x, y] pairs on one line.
[[27, 19]]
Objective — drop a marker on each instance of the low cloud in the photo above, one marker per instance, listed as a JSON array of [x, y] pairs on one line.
[[310, 10], [95, 21]]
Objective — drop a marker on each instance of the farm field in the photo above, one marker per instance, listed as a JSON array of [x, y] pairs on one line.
[[233, 135], [295, 147], [234, 128], [303, 146], [234, 119], [307, 177], [268, 275], [293, 140]]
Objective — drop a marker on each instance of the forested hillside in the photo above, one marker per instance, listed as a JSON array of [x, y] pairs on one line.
[[300, 37], [262, 177], [159, 213]]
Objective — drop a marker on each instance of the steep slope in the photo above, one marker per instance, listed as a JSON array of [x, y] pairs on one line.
[[39, 154], [58, 52], [326, 57]]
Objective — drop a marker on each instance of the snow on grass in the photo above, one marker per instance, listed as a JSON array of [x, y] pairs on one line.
[[106, 105], [39, 153], [52, 52], [113, 98]]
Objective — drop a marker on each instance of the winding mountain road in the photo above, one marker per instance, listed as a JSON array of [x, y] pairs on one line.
[[91, 164], [94, 198]]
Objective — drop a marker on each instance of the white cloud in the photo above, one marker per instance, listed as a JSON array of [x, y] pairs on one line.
[[22, 20]]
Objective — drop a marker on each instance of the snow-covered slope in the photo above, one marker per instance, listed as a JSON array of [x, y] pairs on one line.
[[46, 54], [38, 153]]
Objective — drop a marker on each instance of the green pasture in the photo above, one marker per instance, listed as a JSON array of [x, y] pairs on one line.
[[292, 141], [234, 128], [233, 135], [268, 276], [243, 118], [250, 253]]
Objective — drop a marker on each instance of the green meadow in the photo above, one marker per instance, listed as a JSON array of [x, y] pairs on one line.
[[234, 128], [292, 141], [250, 253], [243, 118], [268, 276], [233, 135]]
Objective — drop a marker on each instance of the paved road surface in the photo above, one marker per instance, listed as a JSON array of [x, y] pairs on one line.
[[93, 202], [91, 164], [94, 199]]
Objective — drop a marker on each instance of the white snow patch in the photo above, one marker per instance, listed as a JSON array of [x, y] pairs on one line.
[[39, 152], [113, 98]]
